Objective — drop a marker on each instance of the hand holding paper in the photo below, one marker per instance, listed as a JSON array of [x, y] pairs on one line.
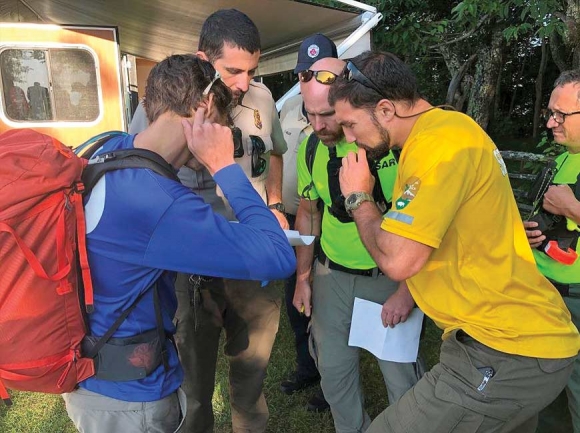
[[398, 344], [397, 308]]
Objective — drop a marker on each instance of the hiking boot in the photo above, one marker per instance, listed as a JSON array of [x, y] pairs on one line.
[[298, 382], [317, 403]]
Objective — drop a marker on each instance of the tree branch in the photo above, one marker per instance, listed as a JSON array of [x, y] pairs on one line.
[[456, 80], [556, 49], [465, 36]]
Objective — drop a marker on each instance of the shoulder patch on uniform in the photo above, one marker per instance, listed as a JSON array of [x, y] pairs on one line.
[[410, 191]]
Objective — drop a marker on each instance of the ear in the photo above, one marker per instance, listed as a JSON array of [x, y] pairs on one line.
[[385, 110], [202, 56], [209, 106]]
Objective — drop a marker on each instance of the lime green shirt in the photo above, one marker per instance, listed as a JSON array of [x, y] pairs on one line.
[[568, 168], [340, 241]]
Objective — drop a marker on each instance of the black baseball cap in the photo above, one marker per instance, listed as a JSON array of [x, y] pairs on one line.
[[314, 48]]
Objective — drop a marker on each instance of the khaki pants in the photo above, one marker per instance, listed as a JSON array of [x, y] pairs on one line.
[[250, 315], [338, 363], [447, 398], [95, 413]]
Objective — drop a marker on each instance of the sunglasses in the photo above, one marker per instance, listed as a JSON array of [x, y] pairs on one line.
[[323, 77], [258, 148], [216, 77], [352, 73]]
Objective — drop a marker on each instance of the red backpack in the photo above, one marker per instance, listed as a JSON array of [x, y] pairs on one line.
[[43, 259], [42, 227]]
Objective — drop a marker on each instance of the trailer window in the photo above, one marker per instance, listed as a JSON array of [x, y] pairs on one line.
[[49, 85]]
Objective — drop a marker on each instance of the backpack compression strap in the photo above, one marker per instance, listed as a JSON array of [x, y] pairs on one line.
[[120, 159]]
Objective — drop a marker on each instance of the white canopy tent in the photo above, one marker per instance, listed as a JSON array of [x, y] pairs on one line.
[[154, 29]]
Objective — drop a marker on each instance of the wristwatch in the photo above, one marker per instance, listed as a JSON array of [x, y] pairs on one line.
[[355, 199], [277, 206]]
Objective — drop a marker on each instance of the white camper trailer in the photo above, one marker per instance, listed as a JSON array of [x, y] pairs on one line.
[[75, 68]]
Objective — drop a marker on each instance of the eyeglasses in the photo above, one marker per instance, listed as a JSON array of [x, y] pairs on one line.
[[258, 148], [351, 72], [216, 77], [323, 77], [558, 116]]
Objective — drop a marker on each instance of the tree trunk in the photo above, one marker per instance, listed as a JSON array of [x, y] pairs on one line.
[[539, 86], [566, 49], [516, 87], [486, 71], [455, 83], [454, 65]]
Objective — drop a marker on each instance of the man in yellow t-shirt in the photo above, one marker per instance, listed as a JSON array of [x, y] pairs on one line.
[[456, 237]]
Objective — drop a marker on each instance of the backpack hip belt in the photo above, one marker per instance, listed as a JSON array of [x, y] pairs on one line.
[[125, 359]]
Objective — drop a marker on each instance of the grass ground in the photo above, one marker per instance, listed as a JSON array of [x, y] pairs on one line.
[[39, 413]]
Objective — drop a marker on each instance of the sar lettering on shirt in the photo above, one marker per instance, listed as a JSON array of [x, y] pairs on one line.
[[453, 194]]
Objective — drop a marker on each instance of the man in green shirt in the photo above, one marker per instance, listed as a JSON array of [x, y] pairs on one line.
[[344, 269], [560, 199]]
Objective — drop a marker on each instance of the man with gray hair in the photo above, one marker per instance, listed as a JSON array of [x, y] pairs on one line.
[[561, 202]]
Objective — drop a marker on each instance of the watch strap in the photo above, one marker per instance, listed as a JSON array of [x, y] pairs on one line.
[[277, 206], [355, 199]]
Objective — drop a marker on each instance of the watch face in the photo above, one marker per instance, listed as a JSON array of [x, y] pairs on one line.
[[351, 199]]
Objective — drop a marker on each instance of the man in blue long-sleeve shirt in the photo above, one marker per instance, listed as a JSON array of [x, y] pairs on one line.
[[142, 227]]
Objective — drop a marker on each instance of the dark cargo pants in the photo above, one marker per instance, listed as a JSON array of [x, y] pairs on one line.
[[250, 315], [455, 397]]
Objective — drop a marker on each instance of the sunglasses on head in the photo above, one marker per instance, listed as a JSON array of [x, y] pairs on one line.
[[216, 77], [352, 73], [258, 149], [323, 77]]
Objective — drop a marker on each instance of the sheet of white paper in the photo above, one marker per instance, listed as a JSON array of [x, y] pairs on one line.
[[296, 239], [398, 344]]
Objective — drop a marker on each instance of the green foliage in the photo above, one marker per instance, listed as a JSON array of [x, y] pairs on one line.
[[549, 147]]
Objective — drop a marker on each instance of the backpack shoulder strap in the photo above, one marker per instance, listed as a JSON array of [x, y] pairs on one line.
[[129, 158], [89, 147], [311, 146]]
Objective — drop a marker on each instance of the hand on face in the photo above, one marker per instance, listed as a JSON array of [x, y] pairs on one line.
[[355, 175], [210, 143]]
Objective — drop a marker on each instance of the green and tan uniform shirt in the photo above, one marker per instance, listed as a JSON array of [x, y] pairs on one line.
[[257, 115]]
